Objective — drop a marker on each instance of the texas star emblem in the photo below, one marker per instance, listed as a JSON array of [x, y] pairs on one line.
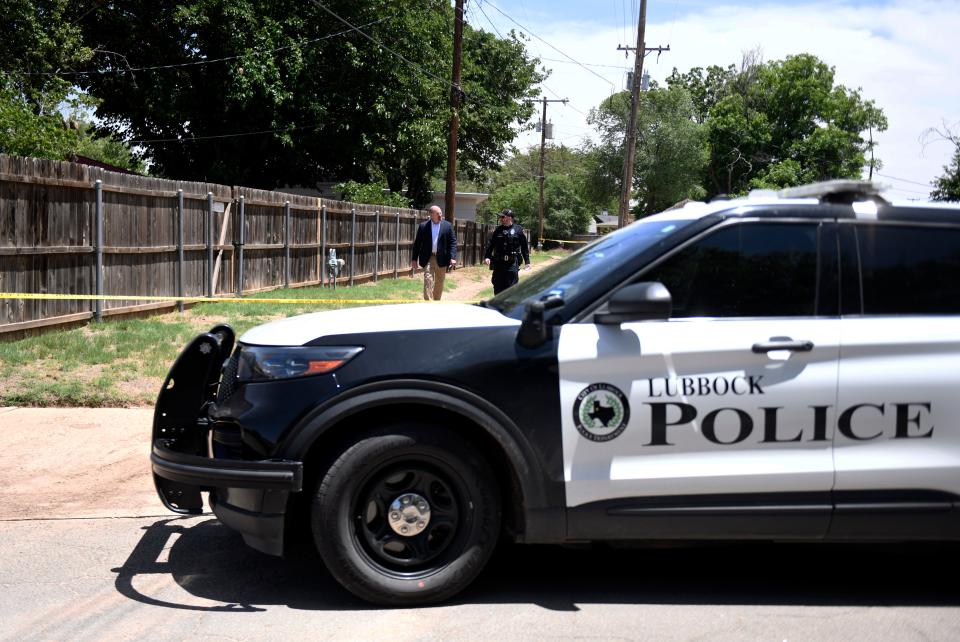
[[601, 412]]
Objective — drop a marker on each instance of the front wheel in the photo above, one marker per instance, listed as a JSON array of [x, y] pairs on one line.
[[406, 515]]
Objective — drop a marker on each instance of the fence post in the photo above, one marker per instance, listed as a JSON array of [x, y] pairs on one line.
[[396, 254], [180, 250], [210, 244], [323, 245], [238, 234], [376, 246], [286, 244], [353, 241], [98, 249]]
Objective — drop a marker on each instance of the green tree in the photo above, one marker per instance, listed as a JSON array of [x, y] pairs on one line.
[[780, 123], [947, 187], [41, 110], [565, 212], [23, 132], [521, 196], [670, 149], [525, 165], [372, 194], [40, 39], [325, 101], [706, 87]]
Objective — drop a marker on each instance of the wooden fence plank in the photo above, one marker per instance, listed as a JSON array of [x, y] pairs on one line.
[[47, 239]]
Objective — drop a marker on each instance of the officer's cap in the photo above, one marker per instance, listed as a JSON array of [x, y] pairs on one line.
[[506, 212]]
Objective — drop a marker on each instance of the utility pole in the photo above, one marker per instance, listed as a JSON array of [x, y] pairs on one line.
[[540, 176], [631, 143], [456, 97]]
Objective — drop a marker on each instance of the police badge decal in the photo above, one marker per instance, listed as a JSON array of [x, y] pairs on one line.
[[601, 412]]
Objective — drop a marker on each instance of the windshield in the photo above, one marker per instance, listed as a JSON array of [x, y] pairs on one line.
[[572, 275]]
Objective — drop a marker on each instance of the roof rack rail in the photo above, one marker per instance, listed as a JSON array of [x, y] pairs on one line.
[[837, 191]]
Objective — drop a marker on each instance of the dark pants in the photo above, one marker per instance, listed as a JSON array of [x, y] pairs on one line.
[[503, 279]]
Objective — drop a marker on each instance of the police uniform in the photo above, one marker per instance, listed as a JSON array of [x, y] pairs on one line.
[[506, 247]]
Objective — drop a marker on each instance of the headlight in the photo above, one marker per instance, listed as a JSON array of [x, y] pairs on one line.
[[261, 363]]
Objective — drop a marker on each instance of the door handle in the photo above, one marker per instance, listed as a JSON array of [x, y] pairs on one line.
[[782, 343]]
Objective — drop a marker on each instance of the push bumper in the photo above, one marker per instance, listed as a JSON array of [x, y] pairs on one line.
[[207, 473], [247, 496]]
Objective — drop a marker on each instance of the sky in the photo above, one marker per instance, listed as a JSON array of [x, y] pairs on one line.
[[902, 54]]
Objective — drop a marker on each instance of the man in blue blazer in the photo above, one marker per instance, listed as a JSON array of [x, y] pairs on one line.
[[434, 249]]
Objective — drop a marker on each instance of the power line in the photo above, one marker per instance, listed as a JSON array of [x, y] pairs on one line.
[[673, 21], [480, 7], [904, 180], [191, 139], [562, 53], [623, 15], [352, 28], [566, 103], [586, 64], [909, 191], [380, 44], [255, 52]]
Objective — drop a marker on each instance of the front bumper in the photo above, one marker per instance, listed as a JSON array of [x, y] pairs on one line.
[[248, 496], [206, 473]]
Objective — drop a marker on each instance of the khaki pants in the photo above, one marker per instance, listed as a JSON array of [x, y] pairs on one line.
[[433, 276]]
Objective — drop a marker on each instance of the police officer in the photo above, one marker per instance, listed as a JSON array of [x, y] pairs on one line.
[[506, 247]]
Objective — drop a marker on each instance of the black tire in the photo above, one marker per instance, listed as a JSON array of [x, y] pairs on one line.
[[350, 516]]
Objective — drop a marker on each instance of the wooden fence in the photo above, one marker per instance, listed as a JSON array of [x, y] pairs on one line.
[[73, 229]]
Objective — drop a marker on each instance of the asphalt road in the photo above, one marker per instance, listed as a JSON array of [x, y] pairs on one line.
[[164, 578], [88, 553]]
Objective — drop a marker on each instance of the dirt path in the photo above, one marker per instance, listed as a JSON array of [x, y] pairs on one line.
[[471, 281], [61, 463], [58, 463]]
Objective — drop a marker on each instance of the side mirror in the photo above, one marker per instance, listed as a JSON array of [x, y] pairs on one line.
[[645, 301], [534, 330]]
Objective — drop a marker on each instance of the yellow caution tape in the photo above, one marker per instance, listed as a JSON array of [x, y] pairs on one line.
[[562, 241], [197, 299]]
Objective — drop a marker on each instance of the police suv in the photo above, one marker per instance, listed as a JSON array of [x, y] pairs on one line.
[[779, 367]]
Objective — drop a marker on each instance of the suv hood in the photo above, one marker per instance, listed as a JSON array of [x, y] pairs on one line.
[[298, 330]]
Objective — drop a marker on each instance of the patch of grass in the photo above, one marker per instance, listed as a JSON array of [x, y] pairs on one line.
[[122, 362], [548, 255]]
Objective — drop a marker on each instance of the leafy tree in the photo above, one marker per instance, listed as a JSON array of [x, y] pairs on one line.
[[371, 193], [670, 149], [501, 82], [706, 87], [565, 212], [525, 165], [23, 132], [40, 110], [946, 187], [325, 100], [780, 123], [521, 196], [39, 40]]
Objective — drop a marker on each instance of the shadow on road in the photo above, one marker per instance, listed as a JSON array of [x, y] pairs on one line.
[[212, 562]]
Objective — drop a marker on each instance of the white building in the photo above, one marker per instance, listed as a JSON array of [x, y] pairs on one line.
[[466, 203]]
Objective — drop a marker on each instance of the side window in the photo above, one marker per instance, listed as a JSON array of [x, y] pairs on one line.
[[744, 270], [909, 270]]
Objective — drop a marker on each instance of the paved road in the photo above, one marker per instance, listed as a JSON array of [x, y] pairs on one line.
[[176, 578], [88, 554]]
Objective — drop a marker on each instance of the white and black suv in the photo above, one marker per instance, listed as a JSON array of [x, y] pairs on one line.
[[779, 367]]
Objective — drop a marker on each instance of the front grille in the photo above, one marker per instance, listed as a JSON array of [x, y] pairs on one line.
[[228, 378]]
